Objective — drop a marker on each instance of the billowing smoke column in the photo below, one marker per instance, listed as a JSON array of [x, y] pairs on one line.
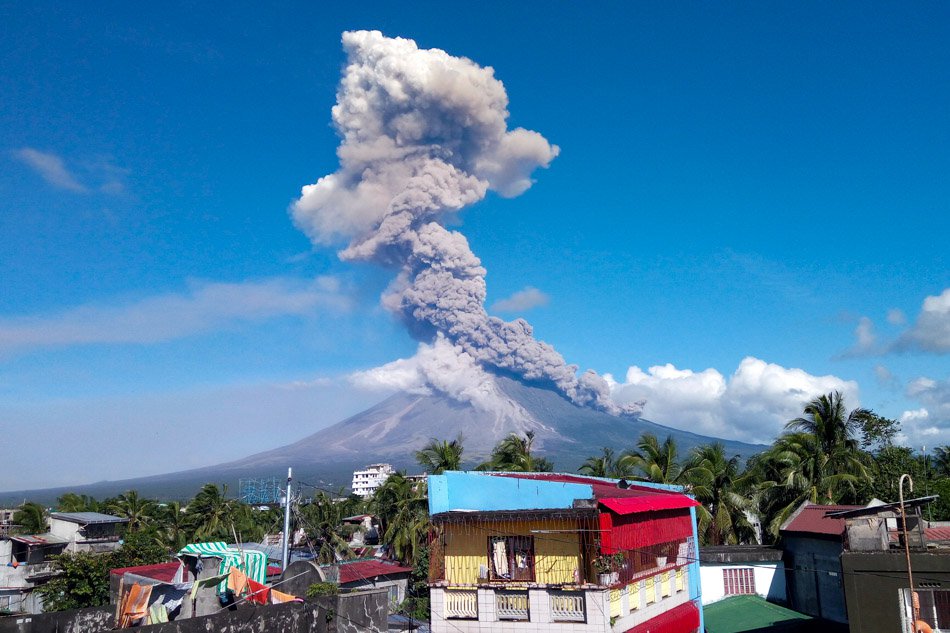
[[424, 134]]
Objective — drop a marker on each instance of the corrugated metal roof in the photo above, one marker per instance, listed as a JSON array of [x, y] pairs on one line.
[[811, 519], [34, 540], [602, 488], [87, 518], [649, 503], [368, 569], [166, 572]]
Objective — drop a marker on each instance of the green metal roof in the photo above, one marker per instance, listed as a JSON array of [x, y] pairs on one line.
[[740, 614]]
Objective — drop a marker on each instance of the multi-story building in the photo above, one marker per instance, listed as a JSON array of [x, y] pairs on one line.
[[366, 481], [26, 560], [533, 552]]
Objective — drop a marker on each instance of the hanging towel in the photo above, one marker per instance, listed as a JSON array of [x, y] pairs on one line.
[[135, 605], [157, 614], [259, 593], [500, 557], [237, 581], [207, 582], [277, 597]]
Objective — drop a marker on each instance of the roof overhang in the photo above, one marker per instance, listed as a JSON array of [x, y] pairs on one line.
[[653, 502]]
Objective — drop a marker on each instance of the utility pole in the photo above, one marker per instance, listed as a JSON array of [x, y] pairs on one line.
[[285, 558]]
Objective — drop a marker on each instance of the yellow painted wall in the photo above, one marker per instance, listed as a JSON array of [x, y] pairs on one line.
[[556, 555]]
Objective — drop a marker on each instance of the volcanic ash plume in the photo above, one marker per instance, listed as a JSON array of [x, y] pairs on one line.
[[424, 134]]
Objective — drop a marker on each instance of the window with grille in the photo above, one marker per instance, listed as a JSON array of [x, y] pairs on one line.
[[739, 581], [934, 608], [511, 557]]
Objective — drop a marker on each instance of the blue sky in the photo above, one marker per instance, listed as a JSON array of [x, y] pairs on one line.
[[735, 181]]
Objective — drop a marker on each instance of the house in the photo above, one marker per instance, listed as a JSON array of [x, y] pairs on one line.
[[26, 560], [368, 480], [735, 570], [813, 540], [87, 531], [563, 553], [874, 569]]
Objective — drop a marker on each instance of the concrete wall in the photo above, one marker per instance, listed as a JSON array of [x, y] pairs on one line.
[[872, 582], [363, 612], [769, 580], [479, 491], [813, 577]]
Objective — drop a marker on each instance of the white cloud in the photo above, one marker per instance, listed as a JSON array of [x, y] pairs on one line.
[[930, 424], [865, 340], [51, 168], [931, 331], [752, 405], [885, 377], [204, 307], [522, 301], [896, 316]]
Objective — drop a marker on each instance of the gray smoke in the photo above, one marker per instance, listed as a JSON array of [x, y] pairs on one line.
[[424, 134]]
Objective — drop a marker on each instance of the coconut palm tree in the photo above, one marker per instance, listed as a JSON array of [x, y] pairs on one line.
[[174, 528], [941, 463], [212, 513], [437, 457], [402, 508], [322, 520], [718, 485], [654, 461], [514, 454], [31, 518], [71, 502], [606, 465], [137, 510], [835, 429]]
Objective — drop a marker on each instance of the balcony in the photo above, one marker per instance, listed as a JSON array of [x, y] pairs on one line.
[[511, 605], [461, 605], [40, 570]]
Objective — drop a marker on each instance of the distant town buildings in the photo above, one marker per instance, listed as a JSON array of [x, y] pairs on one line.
[[366, 481]]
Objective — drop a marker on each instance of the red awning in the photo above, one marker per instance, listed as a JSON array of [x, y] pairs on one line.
[[682, 619], [648, 503]]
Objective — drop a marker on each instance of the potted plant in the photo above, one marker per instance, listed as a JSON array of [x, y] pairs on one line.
[[608, 567]]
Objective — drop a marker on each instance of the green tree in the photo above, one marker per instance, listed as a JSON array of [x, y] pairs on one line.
[[605, 465], [323, 522], [719, 486], [416, 604], [439, 456], [402, 508], [173, 525], [72, 502], [31, 518], [654, 461], [515, 453], [212, 514], [941, 461], [138, 510]]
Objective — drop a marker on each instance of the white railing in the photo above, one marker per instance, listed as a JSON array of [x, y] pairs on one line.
[[567, 607], [461, 605], [511, 605]]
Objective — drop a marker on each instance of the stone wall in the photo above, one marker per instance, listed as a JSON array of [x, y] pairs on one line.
[[363, 612]]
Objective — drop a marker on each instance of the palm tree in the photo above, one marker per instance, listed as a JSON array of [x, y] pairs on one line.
[[942, 461], [514, 454], [402, 509], [212, 513], [31, 518], [174, 531], [137, 510], [437, 457], [323, 522], [718, 485], [833, 428], [656, 462], [606, 465], [71, 502]]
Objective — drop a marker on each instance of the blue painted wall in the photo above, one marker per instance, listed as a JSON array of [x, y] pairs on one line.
[[481, 491]]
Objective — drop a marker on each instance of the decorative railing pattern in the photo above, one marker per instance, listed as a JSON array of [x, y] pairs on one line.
[[461, 605], [511, 605], [568, 607]]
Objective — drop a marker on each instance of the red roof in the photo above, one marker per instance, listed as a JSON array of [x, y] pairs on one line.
[[811, 519], [368, 569], [682, 618], [636, 498], [165, 572], [937, 533]]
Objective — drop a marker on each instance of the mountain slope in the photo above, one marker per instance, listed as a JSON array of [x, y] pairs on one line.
[[394, 429]]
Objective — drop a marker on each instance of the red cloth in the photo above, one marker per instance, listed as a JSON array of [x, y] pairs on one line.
[[258, 593]]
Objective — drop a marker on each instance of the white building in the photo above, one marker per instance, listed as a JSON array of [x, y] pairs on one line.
[[730, 570], [366, 481]]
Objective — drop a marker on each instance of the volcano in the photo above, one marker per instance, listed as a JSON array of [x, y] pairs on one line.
[[392, 430]]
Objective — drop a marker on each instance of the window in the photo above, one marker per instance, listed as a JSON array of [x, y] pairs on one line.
[[511, 558], [738, 581], [934, 607]]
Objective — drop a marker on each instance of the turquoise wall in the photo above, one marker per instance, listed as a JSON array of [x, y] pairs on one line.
[[481, 491]]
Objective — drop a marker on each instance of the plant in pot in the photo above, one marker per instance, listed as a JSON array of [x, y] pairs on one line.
[[608, 567]]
